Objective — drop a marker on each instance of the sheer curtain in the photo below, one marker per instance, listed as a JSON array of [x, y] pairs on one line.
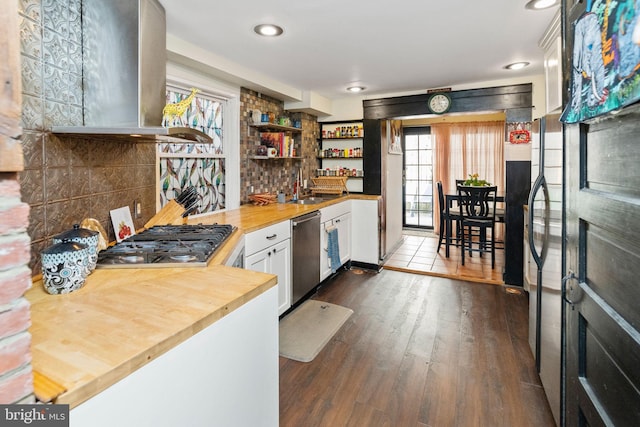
[[463, 149]]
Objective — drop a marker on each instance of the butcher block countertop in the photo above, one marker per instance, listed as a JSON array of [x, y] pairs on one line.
[[121, 319], [249, 218]]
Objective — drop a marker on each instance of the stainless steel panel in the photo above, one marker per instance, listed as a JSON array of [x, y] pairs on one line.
[[153, 62], [124, 63], [306, 254], [544, 294]]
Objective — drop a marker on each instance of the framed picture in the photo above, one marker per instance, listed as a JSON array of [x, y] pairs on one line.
[[122, 223], [519, 132], [519, 136], [605, 66]]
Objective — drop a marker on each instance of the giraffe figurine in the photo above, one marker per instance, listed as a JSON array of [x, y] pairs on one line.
[[172, 111]]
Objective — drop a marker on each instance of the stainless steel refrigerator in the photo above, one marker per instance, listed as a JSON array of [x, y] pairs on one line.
[[544, 240], [383, 176]]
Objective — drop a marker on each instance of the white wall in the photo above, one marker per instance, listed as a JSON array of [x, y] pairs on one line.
[[393, 197]]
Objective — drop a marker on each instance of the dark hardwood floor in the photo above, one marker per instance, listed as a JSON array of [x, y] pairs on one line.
[[418, 351]]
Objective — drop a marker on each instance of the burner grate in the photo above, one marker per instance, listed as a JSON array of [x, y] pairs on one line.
[[167, 246]]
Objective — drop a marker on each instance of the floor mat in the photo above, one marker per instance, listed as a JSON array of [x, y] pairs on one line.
[[305, 331]]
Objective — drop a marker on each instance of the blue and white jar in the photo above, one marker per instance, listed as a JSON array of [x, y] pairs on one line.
[[64, 267], [85, 236]]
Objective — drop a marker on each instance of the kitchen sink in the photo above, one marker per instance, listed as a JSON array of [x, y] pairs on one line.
[[308, 201]]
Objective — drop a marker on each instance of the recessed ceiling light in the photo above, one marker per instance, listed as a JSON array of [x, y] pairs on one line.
[[541, 4], [268, 30], [356, 88], [516, 66]]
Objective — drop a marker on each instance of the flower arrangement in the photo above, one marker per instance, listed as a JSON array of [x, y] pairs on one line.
[[475, 182]]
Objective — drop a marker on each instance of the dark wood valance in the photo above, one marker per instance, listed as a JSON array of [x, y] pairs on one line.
[[515, 100]]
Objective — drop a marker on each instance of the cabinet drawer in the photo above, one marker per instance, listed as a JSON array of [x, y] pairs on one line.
[[334, 211], [268, 236]]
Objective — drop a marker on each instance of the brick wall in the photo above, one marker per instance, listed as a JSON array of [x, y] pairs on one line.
[[16, 380]]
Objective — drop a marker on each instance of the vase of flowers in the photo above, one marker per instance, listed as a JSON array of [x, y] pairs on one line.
[[474, 181]]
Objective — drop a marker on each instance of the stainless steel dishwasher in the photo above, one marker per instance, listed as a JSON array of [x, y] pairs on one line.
[[306, 254]]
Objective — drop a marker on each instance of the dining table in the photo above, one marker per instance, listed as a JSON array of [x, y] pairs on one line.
[[452, 211]]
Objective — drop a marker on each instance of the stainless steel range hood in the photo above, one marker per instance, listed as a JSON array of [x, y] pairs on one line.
[[124, 72]]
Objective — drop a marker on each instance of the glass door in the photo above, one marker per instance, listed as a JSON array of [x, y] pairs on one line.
[[418, 178]]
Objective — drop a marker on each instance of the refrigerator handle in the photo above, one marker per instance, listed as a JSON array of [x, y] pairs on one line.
[[540, 182], [565, 279]]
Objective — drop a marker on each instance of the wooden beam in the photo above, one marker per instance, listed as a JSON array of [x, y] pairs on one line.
[[11, 158], [502, 98]]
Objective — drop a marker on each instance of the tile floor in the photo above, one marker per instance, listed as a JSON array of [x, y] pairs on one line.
[[417, 254]]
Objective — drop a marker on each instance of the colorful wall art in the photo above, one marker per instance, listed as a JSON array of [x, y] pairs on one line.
[[605, 60], [202, 166]]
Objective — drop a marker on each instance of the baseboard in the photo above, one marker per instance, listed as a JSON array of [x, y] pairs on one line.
[[367, 266]]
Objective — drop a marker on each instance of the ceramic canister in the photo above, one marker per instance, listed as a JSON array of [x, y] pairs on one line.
[[85, 236], [256, 117], [64, 267]]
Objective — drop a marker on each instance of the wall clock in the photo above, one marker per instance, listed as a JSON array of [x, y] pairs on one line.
[[439, 103]]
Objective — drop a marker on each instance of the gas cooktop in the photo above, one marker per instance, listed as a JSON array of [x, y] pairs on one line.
[[167, 246]]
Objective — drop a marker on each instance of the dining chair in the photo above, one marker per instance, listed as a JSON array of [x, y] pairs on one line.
[[447, 218], [478, 213], [443, 215]]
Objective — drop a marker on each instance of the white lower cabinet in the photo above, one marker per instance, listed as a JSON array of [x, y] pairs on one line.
[[343, 223], [338, 216], [366, 232], [224, 375], [276, 260], [268, 250]]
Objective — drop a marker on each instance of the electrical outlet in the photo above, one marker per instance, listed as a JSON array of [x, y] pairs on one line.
[[304, 185], [251, 189], [137, 209]]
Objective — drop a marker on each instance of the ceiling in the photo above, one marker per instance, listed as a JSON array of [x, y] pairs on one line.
[[408, 46]]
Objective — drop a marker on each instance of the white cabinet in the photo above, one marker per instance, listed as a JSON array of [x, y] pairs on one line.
[[343, 224], [365, 229], [338, 216], [552, 44], [268, 250]]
